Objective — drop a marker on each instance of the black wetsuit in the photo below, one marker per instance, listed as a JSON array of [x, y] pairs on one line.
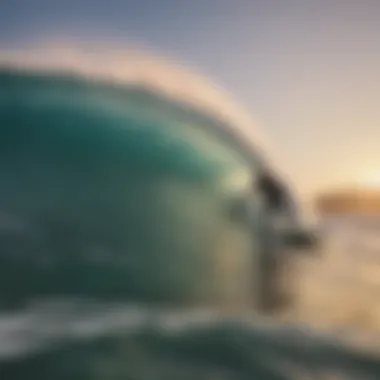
[[276, 200]]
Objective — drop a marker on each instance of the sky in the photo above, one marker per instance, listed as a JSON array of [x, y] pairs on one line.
[[308, 71]]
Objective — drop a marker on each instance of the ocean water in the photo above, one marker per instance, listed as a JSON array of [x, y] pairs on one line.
[[79, 339], [115, 342], [341, 287], [104, 205]]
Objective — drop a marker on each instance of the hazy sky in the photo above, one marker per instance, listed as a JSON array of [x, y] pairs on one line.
[[309, 71]]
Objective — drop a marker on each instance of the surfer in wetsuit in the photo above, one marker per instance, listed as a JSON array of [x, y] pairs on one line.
[[279, 244]]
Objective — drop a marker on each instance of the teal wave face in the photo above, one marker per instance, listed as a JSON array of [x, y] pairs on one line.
[[123, 194]]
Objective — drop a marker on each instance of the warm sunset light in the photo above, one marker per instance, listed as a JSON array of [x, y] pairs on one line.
[[372, 180]]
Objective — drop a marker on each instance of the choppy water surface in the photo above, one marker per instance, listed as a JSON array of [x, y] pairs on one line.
[[290, 351]]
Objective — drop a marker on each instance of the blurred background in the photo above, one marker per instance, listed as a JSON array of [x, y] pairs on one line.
[[307, 72]]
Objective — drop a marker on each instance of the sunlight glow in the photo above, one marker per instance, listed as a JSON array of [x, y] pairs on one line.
[[372, 181]]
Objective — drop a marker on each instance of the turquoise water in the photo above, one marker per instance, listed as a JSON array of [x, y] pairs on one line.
[[112, 193], [121, 194]]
